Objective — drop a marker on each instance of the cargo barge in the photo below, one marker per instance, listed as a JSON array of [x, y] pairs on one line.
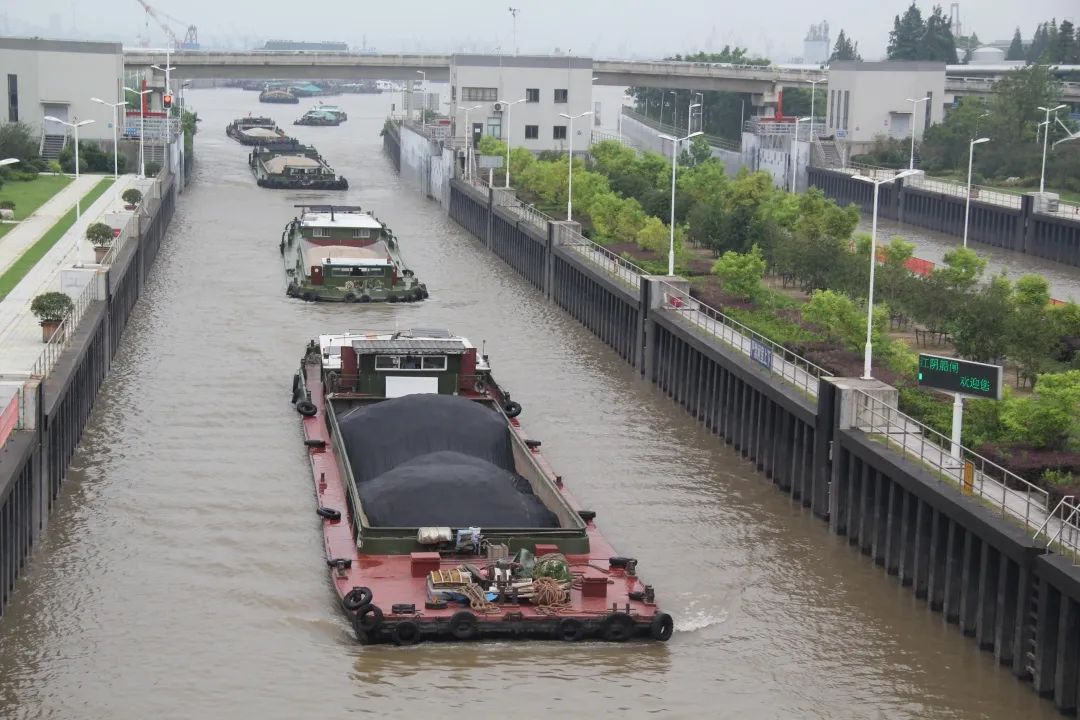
[[441, 519], [293, 167], [339, 253]]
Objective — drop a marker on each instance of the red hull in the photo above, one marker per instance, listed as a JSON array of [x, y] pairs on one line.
[[608, 612]]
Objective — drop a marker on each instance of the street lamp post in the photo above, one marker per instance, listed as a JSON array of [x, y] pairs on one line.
[[78, 202], [468, 139], [508, 106], [1046, 134], [914, 104], [795, 149], [967, 199], [674, 159], [423, 92], [142, 127], [116, 122], [868, 351], [570, 164]]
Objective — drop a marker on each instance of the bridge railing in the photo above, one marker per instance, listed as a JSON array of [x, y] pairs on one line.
[[1007, 493], [783, 362], [623, 269], [677, 131], [529, 213], [978, 192]]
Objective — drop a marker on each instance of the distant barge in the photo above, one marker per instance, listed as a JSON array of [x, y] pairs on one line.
[[410, 441], [259, 132]]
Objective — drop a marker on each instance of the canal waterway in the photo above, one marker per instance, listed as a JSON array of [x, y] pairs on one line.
[[182, 575]]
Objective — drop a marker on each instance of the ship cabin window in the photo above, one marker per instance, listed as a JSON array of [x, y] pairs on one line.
[[320, 232], [356, 271], [410, 362], [361, 233]]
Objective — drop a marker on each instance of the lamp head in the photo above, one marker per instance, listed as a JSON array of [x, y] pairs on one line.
[[694, 134], [565, 116], [9, 161], [980, 141]]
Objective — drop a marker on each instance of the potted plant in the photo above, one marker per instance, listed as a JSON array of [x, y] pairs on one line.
[[101, 236], [7, 209], [131, 197], [51, 308]]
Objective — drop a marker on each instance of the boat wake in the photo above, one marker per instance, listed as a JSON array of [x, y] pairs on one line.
[[694, 621]]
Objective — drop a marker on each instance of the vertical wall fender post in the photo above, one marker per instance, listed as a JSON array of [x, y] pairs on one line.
[[825, 424]]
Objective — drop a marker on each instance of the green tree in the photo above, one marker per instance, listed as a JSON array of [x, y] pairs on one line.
[[706, 220], [980, 325], [843, 321], [741, 273], [700, 151], [654, 236], [845, 49], [938, 42], [1016, 47], [491, 145], [1065, 49], [1050, 418], [17, 141], [1015, 106], [907, 33], [945, 145], [1032, 331], [962, 269]]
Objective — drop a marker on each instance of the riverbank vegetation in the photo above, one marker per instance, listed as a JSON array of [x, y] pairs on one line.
[[790, 267]]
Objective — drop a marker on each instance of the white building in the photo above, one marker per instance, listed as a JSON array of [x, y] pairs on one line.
[[549, 85], [58, 78], [871, 99]]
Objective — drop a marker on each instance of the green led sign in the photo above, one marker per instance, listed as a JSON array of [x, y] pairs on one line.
[[965, 377]]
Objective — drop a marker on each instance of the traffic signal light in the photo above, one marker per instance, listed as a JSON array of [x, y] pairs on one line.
[[166, 101]]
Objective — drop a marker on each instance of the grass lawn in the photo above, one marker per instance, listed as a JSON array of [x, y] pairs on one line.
[[14, 274], [29, 196], [5, 227]]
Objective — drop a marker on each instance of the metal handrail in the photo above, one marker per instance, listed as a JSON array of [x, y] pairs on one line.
[[614, 264], [989, 481], [979, 192], [537, 218], [65, 331], [774, 357]]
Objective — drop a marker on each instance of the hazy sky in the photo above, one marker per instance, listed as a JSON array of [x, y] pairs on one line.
[[601, 28]]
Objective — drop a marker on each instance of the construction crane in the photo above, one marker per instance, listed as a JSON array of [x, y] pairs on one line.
[[191, 37]]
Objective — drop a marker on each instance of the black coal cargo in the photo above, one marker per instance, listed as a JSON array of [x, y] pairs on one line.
[[438, 460]]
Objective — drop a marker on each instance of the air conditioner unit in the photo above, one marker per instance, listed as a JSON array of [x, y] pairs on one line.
[[498, 107]]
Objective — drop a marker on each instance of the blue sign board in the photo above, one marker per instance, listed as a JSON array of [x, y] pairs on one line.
[[761, 353]]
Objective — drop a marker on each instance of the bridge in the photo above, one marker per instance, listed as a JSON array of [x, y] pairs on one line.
[[753, 79]]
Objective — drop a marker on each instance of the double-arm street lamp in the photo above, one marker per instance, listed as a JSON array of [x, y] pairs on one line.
[[75, 129], [795, 147], [570, 163], [868, 351], [674, 160], [508, 105], [116, 123]]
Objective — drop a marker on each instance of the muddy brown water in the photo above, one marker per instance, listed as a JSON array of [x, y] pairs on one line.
[[182, 575]]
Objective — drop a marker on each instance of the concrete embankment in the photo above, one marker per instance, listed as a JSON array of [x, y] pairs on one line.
[[51, 400], [835, 446]]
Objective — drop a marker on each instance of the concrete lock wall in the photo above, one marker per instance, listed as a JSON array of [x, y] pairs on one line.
[[983, 573], [1021, 229], [34, 463]]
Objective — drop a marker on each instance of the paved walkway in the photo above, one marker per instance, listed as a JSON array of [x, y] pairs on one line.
[[20, 333], [26, 233]]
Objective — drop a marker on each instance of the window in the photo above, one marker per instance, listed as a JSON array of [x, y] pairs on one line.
[[410, 362], [559, 132], [361, 233], [319, 231], [480, 94], [832, 107], [560, 95], [532, 132], [847, 107], [13, 98], [532, 95], [494, 127]]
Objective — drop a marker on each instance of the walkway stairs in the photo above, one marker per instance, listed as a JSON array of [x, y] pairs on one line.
[[51, 145]]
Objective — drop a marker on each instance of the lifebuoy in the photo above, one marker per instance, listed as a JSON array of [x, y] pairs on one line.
[[661, 627], [617, 627], [571, 629], [512, 409], [463, 625], [368, 617], [357, 598], [306, 408], [406, 632]]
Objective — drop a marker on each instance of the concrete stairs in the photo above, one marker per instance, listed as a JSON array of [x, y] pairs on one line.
[[830, 154], [51, 145]]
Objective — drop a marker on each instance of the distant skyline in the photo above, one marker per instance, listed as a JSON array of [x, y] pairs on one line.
[[598, 28]]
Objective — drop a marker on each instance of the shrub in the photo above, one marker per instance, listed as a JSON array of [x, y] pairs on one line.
[[741, 273], [7, 204], [152, 169], [54, 167], [100, 234], [132, 196], [51, 306]]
